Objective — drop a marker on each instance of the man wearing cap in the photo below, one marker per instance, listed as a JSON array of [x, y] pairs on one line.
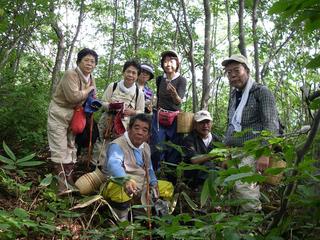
[[251, 107], [171, 88], [147, 73], [196, 147]]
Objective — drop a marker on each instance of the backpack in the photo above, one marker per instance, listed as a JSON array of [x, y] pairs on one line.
[[256, 96]]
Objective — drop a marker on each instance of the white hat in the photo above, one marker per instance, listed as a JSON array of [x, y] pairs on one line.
[[236, 58], [202, 115]]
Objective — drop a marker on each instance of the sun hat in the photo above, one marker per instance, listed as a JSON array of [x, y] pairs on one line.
[[148, 68], [202, 115]]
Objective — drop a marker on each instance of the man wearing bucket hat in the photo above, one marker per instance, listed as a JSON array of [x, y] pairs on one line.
[[197, 145], [252, 108], [171, 88], [147, 73], [128, 158]]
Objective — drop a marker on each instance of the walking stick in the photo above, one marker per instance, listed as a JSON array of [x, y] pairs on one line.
[[148, 196], [90, 142]]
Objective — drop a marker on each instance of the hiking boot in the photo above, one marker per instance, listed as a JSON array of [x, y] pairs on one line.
[[64, 173]]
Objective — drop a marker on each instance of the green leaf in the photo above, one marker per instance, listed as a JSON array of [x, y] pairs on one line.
[[6, 160], [26, 158], [204, 193], [279, 7], [314, 63], [21, 213], [189, 201], [238, 176], [231, 234], [9, 152], [10, 167], [30, 164], [273, 171], [47, 180], [315, 104]]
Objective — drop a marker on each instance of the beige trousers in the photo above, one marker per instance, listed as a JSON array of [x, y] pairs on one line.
[[61, 139]]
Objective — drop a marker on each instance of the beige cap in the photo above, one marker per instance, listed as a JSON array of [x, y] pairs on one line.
[[236, 58], [202, 115]]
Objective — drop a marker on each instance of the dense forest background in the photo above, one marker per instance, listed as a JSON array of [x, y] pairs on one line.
[[39, 40]]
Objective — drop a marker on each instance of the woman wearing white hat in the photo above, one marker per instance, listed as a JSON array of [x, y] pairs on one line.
[[147, 73]]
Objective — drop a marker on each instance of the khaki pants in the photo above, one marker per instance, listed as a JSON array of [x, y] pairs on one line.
[[61, 139], [248, 191]]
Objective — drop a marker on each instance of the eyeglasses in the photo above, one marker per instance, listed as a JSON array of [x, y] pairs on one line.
[[236, 71]]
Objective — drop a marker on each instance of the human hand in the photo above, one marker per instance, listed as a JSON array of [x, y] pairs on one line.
[[130, 187], [129, 112], [89, 89], [262, 163], [171, 89], [155, 191]]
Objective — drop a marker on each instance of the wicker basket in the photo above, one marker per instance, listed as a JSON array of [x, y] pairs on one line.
[[184, 122], [275, 179]]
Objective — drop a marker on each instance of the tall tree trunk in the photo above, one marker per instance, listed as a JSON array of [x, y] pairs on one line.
[[136, 24], [255, 40], [242, 42], [59, 56], [207, 53], [114, 37], [71, 47], [191, 58], [229, 27]]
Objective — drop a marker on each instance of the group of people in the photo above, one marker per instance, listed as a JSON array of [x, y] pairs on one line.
[[132, 131]]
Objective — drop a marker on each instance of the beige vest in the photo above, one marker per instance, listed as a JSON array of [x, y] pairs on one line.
[[131, 168]]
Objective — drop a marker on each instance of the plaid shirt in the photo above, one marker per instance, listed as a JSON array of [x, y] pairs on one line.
[[260, 113]]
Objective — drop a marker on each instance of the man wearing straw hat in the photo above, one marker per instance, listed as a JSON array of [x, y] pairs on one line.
[[129, 160], [252, 108], [197, 145]]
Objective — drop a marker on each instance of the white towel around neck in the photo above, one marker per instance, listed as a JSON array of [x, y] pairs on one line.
[[126, 90], [237, 116]]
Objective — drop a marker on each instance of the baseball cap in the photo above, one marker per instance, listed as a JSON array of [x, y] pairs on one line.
[[148, 68], [202, 115], [236, 58]]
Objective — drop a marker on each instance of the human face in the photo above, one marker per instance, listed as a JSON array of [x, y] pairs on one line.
[[237, 75], [130, 75], [144, 77], [203, 128], [87, 64], [138, 133], [169, 65]]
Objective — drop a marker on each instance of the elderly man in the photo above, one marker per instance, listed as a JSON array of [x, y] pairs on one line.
[[128, 158], [252, 108], [197, 145]]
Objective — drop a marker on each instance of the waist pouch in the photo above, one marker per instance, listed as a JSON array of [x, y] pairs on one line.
[[166, 117]]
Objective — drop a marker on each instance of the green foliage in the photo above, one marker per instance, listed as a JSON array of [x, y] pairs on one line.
[[304, 13], [17, 165]]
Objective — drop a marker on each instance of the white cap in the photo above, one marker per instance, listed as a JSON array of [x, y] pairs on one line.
[[202, 115], [236, 58]]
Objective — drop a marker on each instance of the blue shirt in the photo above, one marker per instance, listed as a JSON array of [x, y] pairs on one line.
[[115, 164]]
